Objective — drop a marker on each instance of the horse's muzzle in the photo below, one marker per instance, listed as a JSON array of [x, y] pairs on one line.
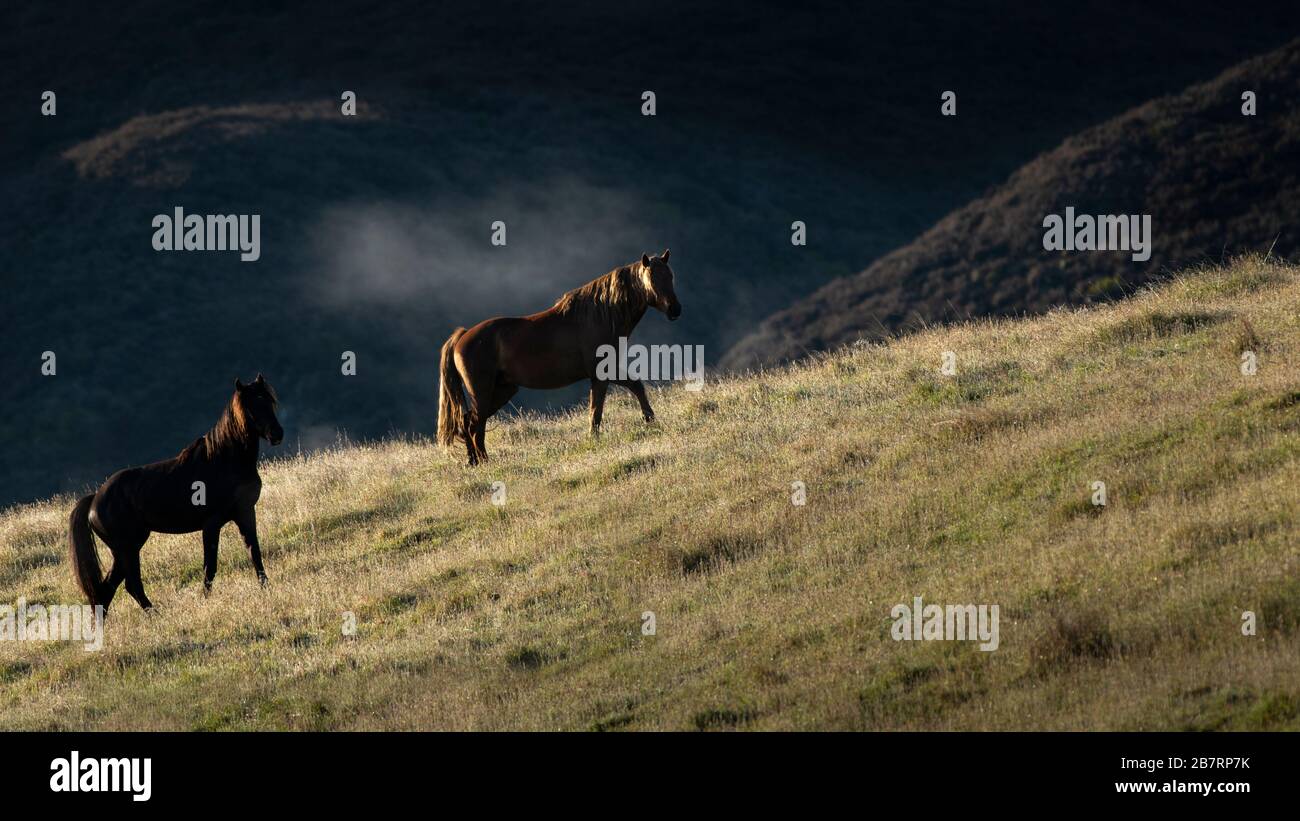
[[275, 437], [674, 311]]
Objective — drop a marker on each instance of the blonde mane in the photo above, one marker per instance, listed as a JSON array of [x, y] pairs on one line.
[[616, 299]]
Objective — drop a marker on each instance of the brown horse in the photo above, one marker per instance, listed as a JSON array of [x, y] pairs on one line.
[[210, 483], [484, 366]]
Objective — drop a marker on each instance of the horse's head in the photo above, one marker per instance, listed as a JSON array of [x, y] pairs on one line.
[[258, 402], [657, 283]]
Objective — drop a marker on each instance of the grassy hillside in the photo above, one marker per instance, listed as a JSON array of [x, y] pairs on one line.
[[375, 229], [965, 489]]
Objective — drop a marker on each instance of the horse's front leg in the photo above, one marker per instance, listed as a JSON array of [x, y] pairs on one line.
[[246, 521], [637, 387], [599, 388], [211, 538]]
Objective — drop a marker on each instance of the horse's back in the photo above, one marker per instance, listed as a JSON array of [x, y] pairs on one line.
[[490, 329], [538, 351], [159, 496]]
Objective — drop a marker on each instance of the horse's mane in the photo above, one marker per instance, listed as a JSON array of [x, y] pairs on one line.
[[615, 299], [231, 429]]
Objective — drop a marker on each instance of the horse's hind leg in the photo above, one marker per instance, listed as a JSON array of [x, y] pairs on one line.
[[501, 394], [123, 548], [478, 432], [134, 585], [475, 428], [471, 446], [478, 395], [115, 578], [485, 399]]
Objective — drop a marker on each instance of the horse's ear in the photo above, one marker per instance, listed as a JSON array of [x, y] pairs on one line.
[[260, 378], [645, 260], [664, 255], [239, 386]]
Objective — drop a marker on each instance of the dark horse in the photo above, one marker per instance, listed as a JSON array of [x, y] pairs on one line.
[[484, 366], [166, 497]]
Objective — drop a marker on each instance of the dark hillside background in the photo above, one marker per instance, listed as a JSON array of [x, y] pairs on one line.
[[1215, 183], [375, 229]]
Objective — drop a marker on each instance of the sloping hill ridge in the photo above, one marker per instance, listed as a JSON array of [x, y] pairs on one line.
[[971, 489], [1215, 182]]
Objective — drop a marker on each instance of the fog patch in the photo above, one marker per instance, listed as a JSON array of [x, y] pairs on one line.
[[312, 438], [438, 258]]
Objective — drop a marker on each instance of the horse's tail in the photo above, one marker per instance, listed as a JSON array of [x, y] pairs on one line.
[[451, 394], [81, 543]]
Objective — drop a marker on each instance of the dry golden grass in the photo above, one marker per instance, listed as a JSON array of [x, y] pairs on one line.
[[966, 489]]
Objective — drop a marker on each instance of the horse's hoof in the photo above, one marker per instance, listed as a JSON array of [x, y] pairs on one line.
[[262, 580]]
